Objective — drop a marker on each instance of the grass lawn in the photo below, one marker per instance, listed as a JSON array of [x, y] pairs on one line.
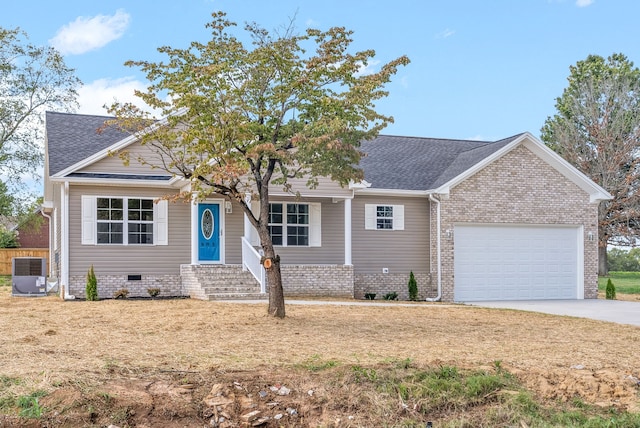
[[189, 363], [625, 282]]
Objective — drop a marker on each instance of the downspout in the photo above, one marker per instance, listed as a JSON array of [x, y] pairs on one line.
[[64, 272], [438, 256], [48, 217]]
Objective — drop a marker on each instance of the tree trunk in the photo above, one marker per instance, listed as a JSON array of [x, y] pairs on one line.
[[603, 268], [276, 293], [274, 276]]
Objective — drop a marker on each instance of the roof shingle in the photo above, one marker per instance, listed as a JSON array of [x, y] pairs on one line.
[[72, 138], [389, 162]]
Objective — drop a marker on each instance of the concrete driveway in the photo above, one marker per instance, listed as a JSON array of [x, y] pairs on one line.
[[617, 311]]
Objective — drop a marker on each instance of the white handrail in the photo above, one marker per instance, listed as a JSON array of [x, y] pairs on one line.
[[251, 262]]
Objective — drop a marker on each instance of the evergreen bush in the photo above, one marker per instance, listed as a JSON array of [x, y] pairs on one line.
[[610, 291], [91, 289], [413, 287]]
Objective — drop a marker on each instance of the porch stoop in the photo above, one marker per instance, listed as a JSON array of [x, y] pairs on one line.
[[220, 282]]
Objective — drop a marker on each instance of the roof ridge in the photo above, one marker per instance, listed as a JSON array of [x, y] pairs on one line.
[[434, 138], [487, 143], [79, 114]]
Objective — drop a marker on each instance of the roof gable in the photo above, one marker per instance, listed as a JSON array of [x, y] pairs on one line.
[[72, 138], [431, 165]]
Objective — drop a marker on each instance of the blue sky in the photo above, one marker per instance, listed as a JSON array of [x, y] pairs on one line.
[[479, 69]]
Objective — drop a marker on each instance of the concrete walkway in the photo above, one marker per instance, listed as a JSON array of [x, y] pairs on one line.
[[621, 312]]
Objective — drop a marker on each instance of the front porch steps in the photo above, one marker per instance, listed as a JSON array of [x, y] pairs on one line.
[[220, 282]]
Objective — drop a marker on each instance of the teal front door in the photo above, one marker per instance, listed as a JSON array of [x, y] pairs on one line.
[[209, 233]]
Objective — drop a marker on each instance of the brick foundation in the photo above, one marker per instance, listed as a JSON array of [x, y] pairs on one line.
[[169, 285], [317, 280], [383, 283]]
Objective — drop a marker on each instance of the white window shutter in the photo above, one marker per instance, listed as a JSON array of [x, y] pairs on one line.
[[88, 211], [370, 216], [161, 223], [398, 217], [254, 238], [315, 222]]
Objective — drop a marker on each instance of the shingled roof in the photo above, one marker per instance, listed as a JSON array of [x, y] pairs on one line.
[[72, 138], [390, 162], [412, 163]]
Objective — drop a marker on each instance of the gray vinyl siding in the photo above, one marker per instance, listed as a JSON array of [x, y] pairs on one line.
[[129, 259], [325, 188], [233, 233], [332, 227], [401, 251], [114, 164]]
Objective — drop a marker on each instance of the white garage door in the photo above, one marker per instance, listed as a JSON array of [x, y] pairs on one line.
[[515, 263]]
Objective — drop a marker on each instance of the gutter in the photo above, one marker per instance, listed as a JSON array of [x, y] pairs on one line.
[[438, 252]]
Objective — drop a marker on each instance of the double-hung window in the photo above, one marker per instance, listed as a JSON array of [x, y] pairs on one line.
[[140, 221], [294, 224], [383, 217], [110, 220], [123, 221]]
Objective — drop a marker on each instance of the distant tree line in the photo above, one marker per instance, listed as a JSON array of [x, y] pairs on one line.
[[622, 260]]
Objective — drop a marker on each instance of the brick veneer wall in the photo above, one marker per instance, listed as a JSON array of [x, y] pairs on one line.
[[519, 188], [317, 280], [169, 285], [384, 283], [33, 235]]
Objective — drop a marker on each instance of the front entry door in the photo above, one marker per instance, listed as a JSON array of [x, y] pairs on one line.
[[209, 233]]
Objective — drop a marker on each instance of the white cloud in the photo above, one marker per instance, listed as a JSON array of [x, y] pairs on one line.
[[364, 70], [89, 33], [95, 95], [584, 3], [445, 33]]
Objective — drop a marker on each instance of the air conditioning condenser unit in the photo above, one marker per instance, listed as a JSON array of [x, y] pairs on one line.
[[28, 276]]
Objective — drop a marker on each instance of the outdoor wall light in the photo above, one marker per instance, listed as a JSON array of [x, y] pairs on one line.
[[448, 233], [590, 236], [228, 207]]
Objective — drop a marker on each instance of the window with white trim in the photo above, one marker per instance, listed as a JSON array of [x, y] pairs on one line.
[[383, 217], [295, 224], [110, 220]]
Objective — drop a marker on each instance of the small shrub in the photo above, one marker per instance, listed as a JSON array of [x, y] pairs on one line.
[[91, 289], [123, 293], [29, 406], [364, 373], [370, 296], [153, 292], [413, 287], [610, 291], [391, 296]]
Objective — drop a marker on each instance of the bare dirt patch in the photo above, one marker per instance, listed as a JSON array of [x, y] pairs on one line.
[[154, 363]]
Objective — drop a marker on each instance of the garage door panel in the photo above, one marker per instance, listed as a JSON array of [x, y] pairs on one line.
[[515, 263]]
